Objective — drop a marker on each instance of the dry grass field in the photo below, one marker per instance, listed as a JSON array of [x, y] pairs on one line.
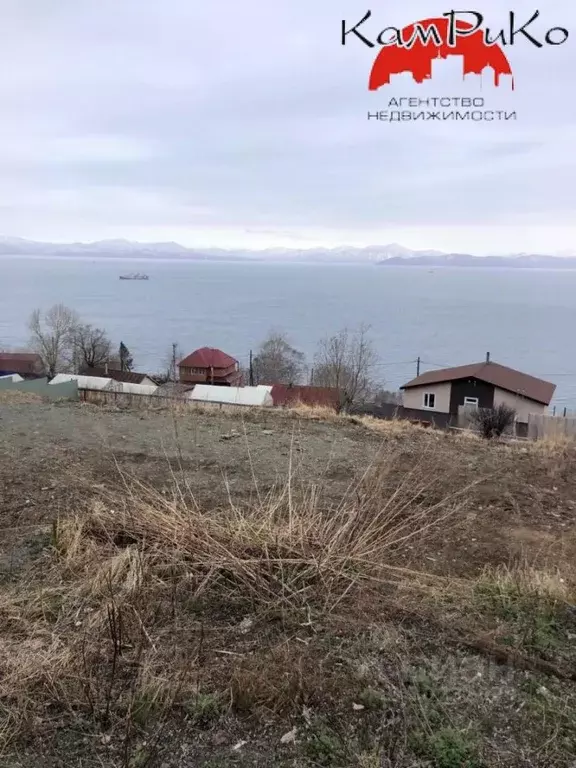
[[199, 587]]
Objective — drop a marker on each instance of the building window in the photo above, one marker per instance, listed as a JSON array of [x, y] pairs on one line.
[[471, 401], [430, 400]]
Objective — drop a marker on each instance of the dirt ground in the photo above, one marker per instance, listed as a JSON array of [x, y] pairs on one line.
[[416, 691], [523, 502], [49, 454]]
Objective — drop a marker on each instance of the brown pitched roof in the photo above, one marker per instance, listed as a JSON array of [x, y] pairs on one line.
[[208, 358], [126, 377], [323, 396], [499, 375], [174, 389], [21, 362]]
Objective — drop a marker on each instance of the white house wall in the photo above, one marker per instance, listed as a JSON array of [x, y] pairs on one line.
[[521, 405], [414, 398]]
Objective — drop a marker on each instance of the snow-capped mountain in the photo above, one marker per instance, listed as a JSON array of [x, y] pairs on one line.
[[392, 254]]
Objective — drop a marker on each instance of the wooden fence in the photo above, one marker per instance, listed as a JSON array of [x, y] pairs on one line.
[[550, 427], [128, 400], [158, 401], [518, 430]]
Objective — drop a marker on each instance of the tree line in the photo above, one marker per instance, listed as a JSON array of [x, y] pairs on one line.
[[346, 360], [67, 344]]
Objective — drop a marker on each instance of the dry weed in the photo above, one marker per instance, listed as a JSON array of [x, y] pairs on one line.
[[14, 397], [554, 446], [385, 427], [524, 579], [138, 605]]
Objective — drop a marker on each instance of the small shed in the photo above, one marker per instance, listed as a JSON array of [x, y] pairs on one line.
[[125, 377]]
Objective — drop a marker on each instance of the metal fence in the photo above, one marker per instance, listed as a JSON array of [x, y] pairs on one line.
[[41, 387]]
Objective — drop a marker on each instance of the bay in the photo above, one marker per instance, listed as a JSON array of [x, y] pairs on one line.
[[447, 316]]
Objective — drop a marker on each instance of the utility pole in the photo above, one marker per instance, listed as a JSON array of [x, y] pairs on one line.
[[251, 370], [418, 367], [312, 377], [174, 376]]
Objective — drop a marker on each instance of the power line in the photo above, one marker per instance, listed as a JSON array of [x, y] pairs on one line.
[[436, 365], [384, 365]]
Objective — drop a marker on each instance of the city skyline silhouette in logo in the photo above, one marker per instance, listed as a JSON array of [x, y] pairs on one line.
[[418, 59]]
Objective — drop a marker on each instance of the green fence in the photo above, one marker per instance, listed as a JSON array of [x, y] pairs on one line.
[[66, 391]]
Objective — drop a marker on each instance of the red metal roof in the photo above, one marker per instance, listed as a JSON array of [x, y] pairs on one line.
[[208, 358], [21, 362], [28, 357], [327, 397], [499, 375]]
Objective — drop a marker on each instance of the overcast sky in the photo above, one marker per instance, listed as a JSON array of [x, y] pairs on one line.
[[244, 123]]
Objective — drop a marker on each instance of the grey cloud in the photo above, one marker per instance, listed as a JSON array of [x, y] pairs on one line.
[[243, 115]]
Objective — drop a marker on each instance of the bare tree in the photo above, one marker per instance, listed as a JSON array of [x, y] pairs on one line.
[[169, 370], [173, 360], [493, 422], [278, 362], [382, 396], [52, 337], [346, 361], [92, 347]]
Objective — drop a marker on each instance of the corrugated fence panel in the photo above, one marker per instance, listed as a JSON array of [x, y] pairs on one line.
[[66, 391]]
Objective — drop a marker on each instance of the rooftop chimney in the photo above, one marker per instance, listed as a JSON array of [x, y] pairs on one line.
[[487, 357]]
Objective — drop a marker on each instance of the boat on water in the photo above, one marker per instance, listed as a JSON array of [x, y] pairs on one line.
[[134, 276]]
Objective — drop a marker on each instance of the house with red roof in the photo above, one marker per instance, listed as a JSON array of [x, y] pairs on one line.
[[210, 366]]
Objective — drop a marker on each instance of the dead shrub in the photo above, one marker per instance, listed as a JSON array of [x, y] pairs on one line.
[[135, 610], [14, 397], [493, 422]]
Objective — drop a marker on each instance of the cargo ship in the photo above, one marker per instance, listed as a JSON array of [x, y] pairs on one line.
[[134, 276]]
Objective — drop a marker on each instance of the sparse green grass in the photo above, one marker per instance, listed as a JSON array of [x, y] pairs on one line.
[[533, 607], [371, 699], [447, 748], [204, 708], [325, 746]]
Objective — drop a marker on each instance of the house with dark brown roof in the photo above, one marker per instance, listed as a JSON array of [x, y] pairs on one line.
[[125, 377], [210, 366], [285, 396], [27, 364], [482, 385]]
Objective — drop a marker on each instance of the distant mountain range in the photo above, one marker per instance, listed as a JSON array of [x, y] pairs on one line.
[[517, 261], [381, 255]]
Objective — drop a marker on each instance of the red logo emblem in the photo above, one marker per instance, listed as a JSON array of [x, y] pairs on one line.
[[419, 45]]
